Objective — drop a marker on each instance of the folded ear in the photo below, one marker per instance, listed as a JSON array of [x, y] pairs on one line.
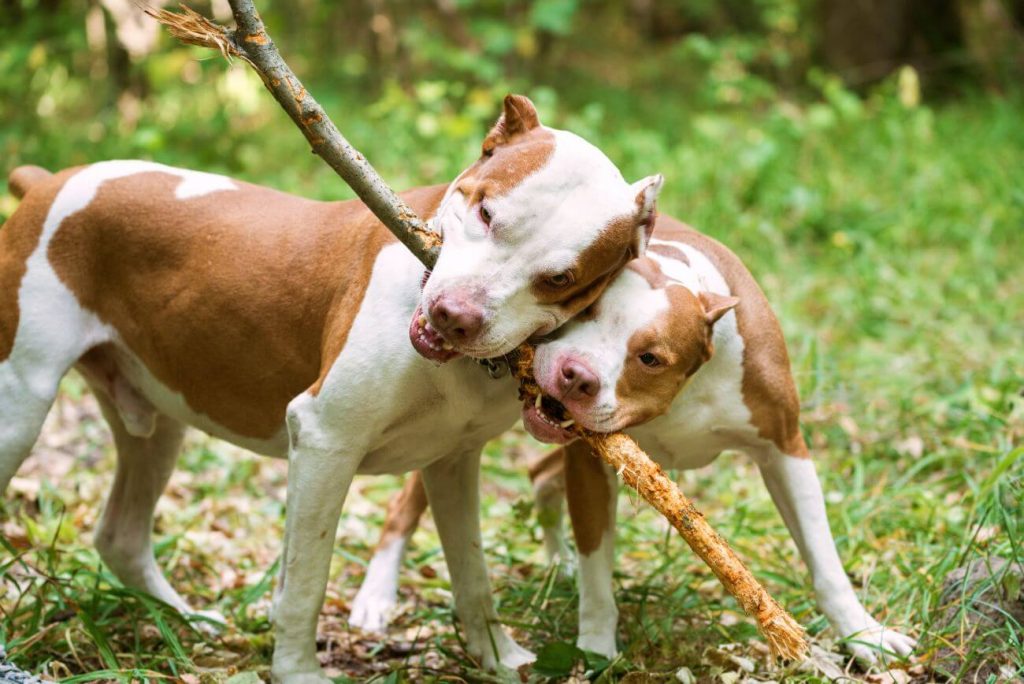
[[518, 117], [647, 190], [716, 305]]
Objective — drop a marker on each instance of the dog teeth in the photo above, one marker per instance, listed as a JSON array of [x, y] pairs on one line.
[[422, 321], [447, 346], [567, 423], [537, 403]]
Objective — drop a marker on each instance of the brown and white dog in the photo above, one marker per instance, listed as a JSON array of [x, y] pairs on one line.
[[283, 325], [684, 353]]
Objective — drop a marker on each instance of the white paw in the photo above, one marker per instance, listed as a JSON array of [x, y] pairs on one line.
[[509, 654], [602, 644], [877, 644], [371, 612], [567, 565], [209, 622]]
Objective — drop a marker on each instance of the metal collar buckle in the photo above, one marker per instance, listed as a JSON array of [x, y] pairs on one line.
[[496, 368]]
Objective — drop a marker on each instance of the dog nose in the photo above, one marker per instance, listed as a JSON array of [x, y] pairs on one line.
[[577, 381], [456, 319]]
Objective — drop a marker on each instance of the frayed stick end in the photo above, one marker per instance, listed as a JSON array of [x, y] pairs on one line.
[[786, 638], [192, 28]]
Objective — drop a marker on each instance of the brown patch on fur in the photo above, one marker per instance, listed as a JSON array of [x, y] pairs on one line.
[[649, 270], [681, 339], [768, 388], [507, 166], [517, 147], [404, 511], [238, 300], [595, 267], [19, 238], [547, 466], [588, 494]]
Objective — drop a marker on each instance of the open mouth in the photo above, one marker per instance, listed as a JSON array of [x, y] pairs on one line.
[[548, 420], [427, 341]]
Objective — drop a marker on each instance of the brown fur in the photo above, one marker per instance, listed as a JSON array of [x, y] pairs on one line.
[[404, 511], [681, 338], [594, 268], [238, 300], [768, 388], [587, 493]]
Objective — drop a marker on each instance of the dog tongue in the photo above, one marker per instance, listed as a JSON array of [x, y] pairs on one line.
[[427, 341]]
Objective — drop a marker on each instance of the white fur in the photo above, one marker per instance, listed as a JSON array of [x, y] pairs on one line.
[[538, 229], [375, 603]]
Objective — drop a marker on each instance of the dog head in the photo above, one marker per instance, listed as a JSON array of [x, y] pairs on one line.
[[533, 232], [626, 357]]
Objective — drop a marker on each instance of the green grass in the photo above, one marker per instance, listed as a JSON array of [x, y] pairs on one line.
[[888, 239]]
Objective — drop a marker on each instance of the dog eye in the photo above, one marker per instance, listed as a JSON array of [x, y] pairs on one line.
[[485, 215], [563, 279], [650, 360]]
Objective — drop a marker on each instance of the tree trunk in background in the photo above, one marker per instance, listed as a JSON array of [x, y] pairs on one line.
[[866, 40], [11, 10], [994, 39]]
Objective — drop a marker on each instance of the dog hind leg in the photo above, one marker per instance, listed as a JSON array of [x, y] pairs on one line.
[[375, 602], [124, 535], [22, 412]]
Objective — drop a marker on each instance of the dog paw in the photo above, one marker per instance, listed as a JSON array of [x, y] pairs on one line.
[[371, 613], [878, 644], [602, 644], [209, 622], [516, 656], [505, 653]]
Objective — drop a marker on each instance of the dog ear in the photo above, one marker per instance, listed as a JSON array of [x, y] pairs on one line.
[[647, 190], [716, 305], [519, 117]]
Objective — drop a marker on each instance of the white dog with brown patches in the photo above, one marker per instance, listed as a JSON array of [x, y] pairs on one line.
[[684, 353], [284, 325]]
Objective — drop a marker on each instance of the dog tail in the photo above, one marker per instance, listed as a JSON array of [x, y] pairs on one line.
[[24, 178]]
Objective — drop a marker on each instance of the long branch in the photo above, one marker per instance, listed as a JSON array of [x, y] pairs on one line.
[[250, 42]]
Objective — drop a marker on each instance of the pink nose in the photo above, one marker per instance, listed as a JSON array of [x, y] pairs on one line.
[[577, 381], [456, 319]]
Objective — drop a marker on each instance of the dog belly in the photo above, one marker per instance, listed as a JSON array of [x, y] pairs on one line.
[[116, 371]]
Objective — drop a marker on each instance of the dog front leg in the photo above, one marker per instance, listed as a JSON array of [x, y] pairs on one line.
[[320, 470], [453, 489], [796, 491]]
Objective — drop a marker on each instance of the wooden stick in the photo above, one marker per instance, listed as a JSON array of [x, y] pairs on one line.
[[251, 43]]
